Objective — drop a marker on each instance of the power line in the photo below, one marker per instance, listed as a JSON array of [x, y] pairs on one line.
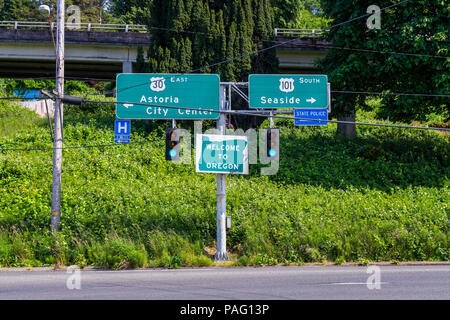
[[280, 44], [304, 45], [308, 45], [53, 78], [295, 39], [355, 123], [333, 91], [289, 41], [209, 34], [24, 79], [348, 92], [392, 93], [283, 43], [276, 45], [256, 114], [21, 98], [236, 112], [79, 147], [375, 51]]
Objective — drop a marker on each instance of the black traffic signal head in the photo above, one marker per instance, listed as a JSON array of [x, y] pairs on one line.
[[273, 143], [172, 144]]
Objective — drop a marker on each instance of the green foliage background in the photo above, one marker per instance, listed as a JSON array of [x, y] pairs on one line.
[[192, 34], [299, 14], [27, 10], [416, 27], [383, 196]]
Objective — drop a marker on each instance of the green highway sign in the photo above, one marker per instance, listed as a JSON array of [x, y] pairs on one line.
[[221, 154], [159, 91], [288, 91]]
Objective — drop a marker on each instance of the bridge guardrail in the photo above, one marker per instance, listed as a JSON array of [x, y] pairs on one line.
[[311, 33], [279, 32], [73, 26]]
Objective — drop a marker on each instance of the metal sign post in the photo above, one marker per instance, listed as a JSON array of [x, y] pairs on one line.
[[58, 141], [221, 254]]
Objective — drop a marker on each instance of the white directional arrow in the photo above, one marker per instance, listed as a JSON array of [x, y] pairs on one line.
[[126, 105], [312, 100]]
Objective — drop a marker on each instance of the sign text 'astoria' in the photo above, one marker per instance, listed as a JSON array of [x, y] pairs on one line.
[[288, 91], [193, 93]]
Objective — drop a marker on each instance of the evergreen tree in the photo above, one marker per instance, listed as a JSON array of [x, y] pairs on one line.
[[130, 11], [12, 10], [263, 33], [140, 60], [193, 34], [299, 14]]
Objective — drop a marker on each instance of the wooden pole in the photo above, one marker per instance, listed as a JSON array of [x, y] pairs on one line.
[[58, 141]]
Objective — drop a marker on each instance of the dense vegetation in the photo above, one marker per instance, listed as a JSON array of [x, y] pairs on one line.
[[193, 34], [418, 30], [27, 10], [382, 196]]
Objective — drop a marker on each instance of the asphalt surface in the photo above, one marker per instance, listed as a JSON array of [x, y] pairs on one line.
[[266, 283]]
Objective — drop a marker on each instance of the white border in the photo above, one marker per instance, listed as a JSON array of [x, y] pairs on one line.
[[217, 137]]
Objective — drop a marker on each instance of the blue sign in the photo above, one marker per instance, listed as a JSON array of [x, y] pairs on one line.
[[30, 94], [313, 114], [122, 130]]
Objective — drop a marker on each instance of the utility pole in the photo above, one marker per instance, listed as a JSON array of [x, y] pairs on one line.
[[58, 139], [221, 253]]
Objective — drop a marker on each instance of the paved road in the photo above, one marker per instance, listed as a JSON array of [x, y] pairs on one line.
[[308, 282]]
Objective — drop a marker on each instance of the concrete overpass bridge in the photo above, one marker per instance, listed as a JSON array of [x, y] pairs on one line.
[[100, 51]]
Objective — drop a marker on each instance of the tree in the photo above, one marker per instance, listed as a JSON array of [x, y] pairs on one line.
[[27, 10], [131, 11], [214, 36], [418, 27], [299, 14], [11, 10], [192, 34]]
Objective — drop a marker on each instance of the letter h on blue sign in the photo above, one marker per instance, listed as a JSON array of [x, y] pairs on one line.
[[122, 130]]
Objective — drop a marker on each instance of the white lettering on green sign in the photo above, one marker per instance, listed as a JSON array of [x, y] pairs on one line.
[[221, 154], [291, 100]]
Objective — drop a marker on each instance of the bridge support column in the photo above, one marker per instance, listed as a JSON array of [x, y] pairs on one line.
[[127, 67]]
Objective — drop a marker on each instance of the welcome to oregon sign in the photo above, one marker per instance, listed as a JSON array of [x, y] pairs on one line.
[[221, 154]]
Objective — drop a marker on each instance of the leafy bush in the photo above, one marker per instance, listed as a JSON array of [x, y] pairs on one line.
[[382, 196], [117, 253]]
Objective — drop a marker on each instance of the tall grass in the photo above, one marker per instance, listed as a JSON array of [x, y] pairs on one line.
[[382, 196]]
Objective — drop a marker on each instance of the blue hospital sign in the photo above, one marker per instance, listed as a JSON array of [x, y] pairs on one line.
[[122, 130]]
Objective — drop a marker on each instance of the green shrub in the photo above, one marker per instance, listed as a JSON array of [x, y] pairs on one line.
[[117, 253], [243, 261], [383, 196], [340, 260]]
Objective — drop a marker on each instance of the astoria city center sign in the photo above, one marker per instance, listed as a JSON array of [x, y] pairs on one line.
[[157, 96], [288, 91]]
